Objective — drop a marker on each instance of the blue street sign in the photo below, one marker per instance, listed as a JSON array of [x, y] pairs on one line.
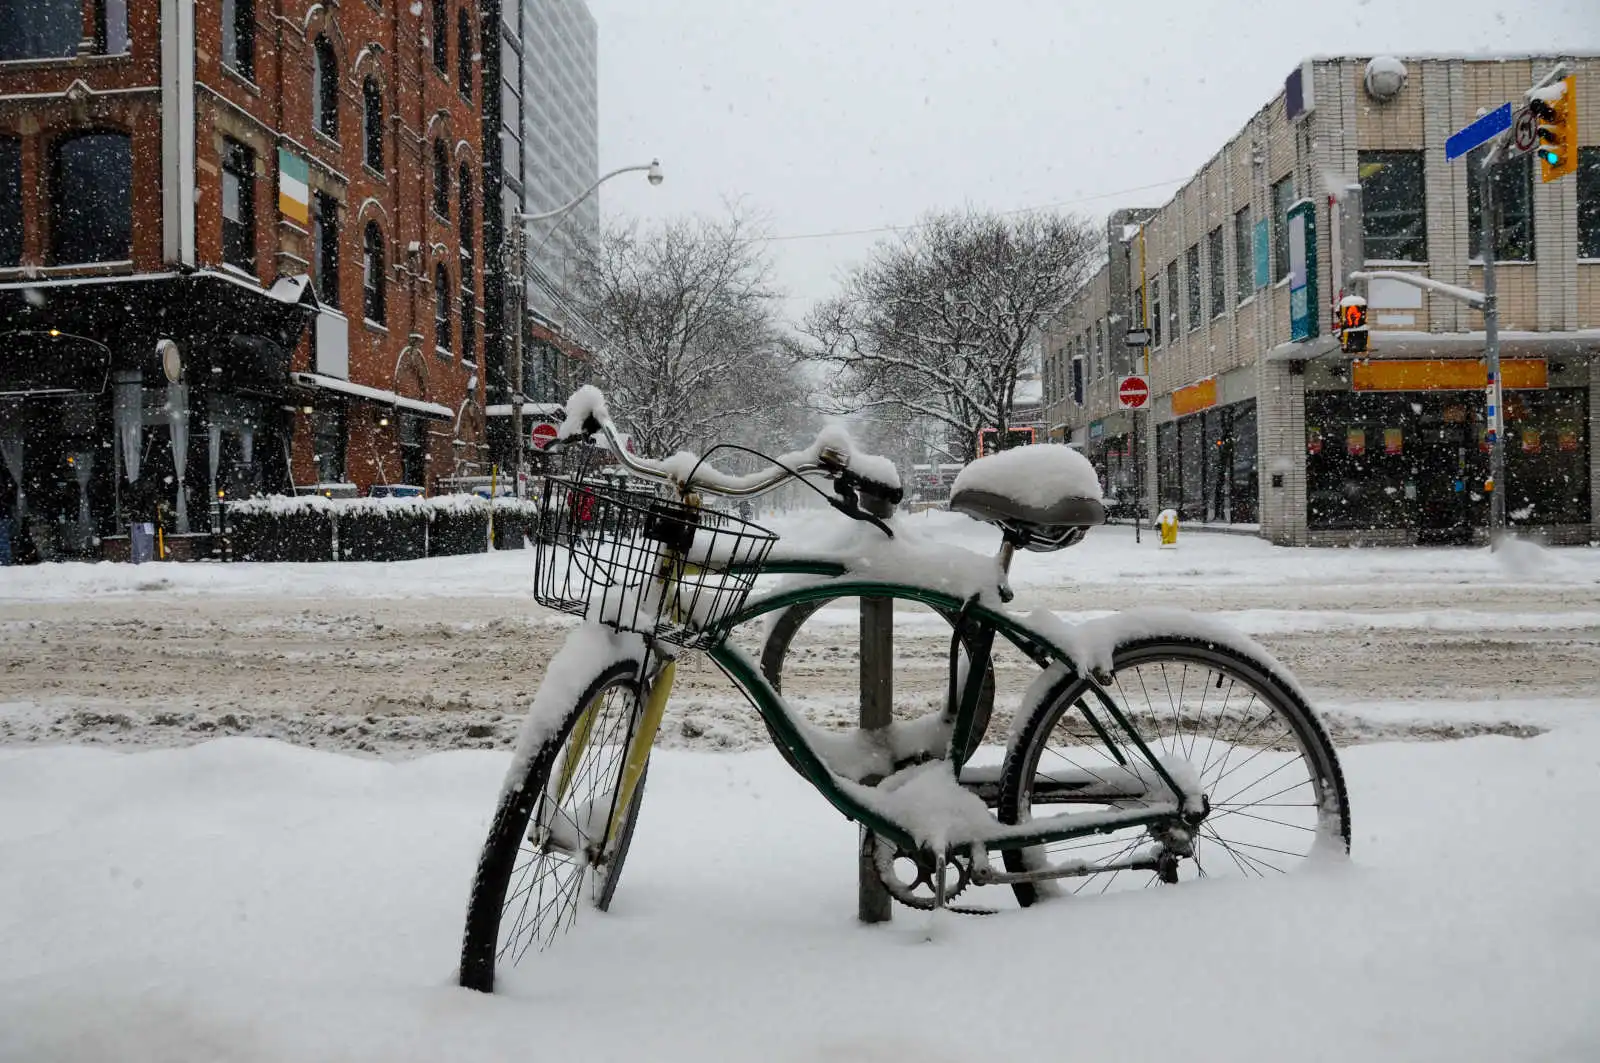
[[1488, 127]]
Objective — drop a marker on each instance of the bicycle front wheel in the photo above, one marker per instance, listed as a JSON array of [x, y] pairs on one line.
[[549, 848], [1255, 749]]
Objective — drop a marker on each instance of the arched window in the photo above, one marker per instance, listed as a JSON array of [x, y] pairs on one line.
[[441, 31], [372, 123], [441, 179], [372, 275], [464, 191], [469, 317], [91, 198], [442, 296], [464, 53], [325, 88]]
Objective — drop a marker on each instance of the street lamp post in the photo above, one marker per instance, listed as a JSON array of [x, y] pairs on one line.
[[516, 254]]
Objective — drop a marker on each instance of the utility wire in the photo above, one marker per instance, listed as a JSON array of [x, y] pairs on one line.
[[920, 225]]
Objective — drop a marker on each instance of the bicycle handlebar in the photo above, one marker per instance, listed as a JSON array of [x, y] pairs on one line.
[[829, 453]]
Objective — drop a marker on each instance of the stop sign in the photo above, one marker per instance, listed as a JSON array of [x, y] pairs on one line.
[[542, 435], [1133, 392]]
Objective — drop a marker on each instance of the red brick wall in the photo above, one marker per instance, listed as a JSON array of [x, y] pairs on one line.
[[377, 37]]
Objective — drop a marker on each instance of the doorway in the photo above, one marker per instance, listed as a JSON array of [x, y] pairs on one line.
[[1445, 476]]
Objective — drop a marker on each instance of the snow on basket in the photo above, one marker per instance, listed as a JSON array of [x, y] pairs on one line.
[[1036, 475]]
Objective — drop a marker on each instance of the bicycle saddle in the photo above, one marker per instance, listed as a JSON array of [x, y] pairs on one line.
[[1046, 495]]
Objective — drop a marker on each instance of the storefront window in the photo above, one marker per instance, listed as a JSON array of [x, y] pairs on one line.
[[327, 443], [1169, 473], [1547, 447], [1191, 459]]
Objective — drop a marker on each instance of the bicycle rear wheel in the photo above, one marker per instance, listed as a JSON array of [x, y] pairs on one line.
[[547, 848], [1259, 753]]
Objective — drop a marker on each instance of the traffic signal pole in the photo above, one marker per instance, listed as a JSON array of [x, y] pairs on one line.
[[1491, 353]]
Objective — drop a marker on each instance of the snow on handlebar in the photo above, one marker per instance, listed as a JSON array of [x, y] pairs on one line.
[[832, 451]]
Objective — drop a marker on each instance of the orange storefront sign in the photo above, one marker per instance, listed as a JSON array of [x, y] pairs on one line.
[[1195, 397], [1456, 374]]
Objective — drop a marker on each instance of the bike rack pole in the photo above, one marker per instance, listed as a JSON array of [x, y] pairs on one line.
[[874, 904]]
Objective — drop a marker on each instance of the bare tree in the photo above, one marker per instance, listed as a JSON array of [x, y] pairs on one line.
[[692, 350], [937, 325]]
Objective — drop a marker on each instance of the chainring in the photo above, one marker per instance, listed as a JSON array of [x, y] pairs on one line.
[[920, 893]]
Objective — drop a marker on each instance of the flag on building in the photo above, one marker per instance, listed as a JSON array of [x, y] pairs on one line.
[[294, 189]]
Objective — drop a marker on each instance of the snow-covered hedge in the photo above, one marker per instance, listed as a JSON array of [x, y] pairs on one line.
[[427, 508]]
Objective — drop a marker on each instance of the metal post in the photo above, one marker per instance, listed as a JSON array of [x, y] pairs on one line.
[[877, 711], [1138, 455], [515, 242], [1490, 229]]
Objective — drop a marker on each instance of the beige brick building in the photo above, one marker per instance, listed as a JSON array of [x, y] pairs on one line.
[[1250, 426]]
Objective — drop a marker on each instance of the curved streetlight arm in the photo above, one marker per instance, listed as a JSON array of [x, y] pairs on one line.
[[653, 169]]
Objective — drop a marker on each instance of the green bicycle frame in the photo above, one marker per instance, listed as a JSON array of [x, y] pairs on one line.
[[785, 727]]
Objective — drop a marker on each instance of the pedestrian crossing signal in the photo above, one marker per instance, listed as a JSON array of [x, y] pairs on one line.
[[1555, 109], [1352, 324]]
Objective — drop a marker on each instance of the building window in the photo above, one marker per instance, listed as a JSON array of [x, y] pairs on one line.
[[327, 443], [1077, 380], [372, 123], [413, 435], [91, 198], [469, 321], [239, 36], [441, 180], [1282, 200], [238, 205], [40, 29], [1589, 202], [464, 193], [1219, 272], [1244, 264], [1155, 310], [1513, 200], [111, 27], [1099, 348], [441, 36], [1172, 301], [464, 53], [325, 88], [10, 201], [1393, 206], [373, 281], [442, 294], [1192, 292], [325, 248]]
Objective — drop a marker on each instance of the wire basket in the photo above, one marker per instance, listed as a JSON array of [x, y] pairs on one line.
[[637, 562]]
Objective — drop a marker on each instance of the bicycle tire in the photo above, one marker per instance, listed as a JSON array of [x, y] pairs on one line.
[[508, 839], [775, 651], [1235, 673]]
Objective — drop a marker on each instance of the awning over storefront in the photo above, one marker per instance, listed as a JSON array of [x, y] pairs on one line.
[[66, 334], [378, 395], [529, 409], [1393, 343]]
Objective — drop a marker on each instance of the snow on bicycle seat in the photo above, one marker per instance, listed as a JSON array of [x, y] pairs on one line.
[[1042, 488]]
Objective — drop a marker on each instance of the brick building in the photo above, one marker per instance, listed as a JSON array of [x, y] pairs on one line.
[[1250, 425], [238, 253]]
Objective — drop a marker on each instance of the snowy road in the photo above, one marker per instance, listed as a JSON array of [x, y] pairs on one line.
[[443, 654]]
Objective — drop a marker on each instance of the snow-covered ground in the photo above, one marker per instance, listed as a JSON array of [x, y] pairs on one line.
[[246, 900], [169, 894]]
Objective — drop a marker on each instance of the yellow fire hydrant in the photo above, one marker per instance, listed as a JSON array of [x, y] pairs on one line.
[[1167, 521]]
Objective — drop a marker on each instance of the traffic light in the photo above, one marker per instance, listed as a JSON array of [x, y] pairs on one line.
[[1555, 109], [1352, 325]]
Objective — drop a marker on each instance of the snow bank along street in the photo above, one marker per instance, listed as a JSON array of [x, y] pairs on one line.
[[445, 653]]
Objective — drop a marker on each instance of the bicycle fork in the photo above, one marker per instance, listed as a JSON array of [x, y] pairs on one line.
[[640, 740]]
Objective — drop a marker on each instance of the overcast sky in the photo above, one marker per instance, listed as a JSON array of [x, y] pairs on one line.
[[831, 115]]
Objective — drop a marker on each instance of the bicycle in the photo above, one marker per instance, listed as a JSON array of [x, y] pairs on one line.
[[1126, 756]]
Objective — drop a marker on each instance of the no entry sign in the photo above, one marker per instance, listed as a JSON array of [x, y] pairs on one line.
[[542, 435], [1133, 392]]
